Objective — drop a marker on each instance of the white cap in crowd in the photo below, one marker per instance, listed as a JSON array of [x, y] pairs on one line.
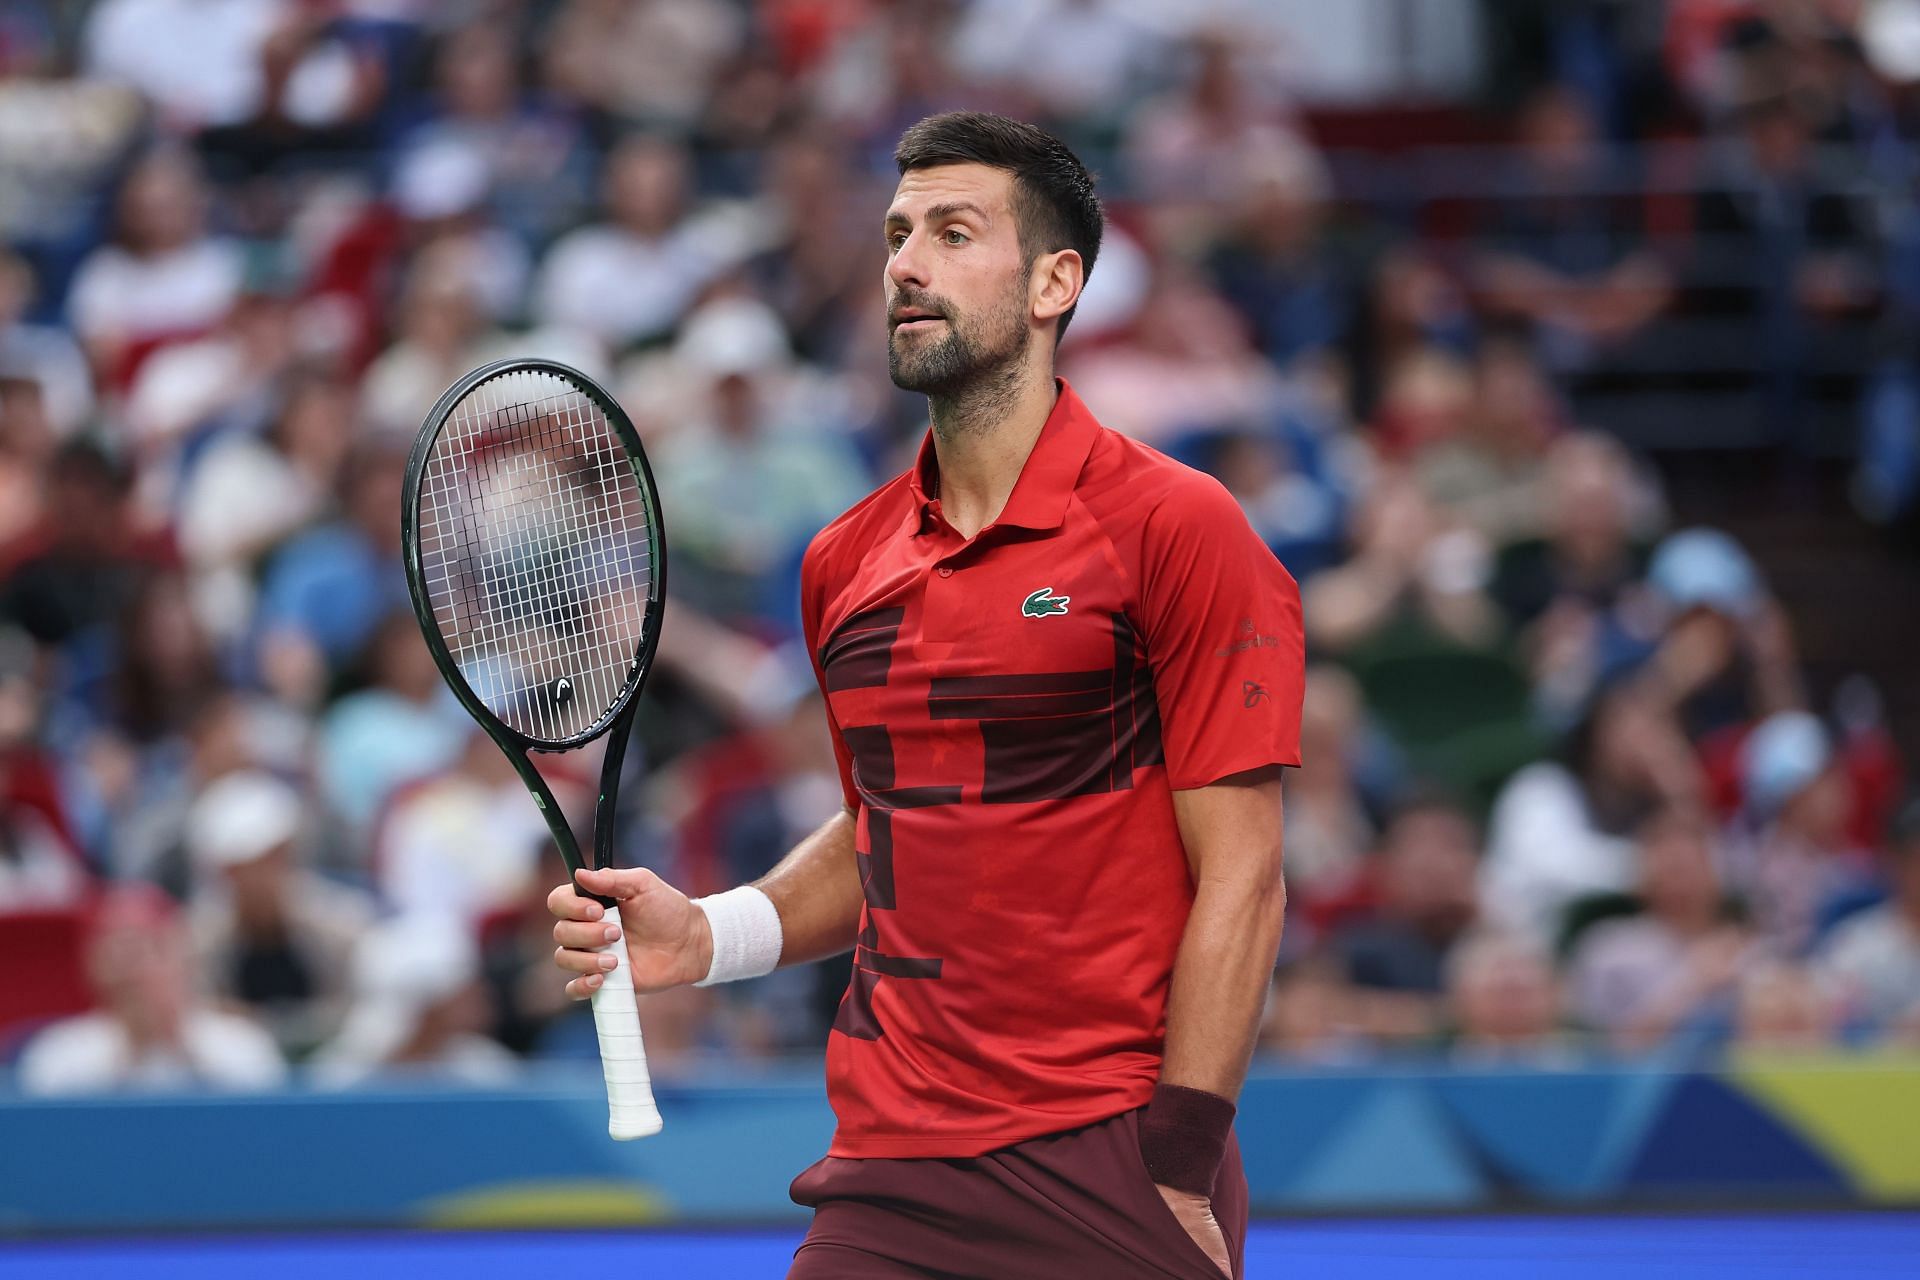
[[241, 817]]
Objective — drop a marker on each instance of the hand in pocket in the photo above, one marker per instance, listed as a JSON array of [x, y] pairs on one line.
[[1195, 1213]]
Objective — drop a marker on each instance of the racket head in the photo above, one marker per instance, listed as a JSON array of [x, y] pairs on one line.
[[535, 552]]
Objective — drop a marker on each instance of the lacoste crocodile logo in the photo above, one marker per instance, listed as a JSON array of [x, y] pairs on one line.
[[1043, 603]]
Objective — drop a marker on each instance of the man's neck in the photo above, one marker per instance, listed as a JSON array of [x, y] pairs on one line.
[[982, 439]]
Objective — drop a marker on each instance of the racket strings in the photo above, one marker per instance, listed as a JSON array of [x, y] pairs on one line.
[[536, 547], [537, 589]]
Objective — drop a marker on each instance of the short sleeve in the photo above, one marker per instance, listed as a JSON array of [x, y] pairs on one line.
[[1224, 638], [813, 589]]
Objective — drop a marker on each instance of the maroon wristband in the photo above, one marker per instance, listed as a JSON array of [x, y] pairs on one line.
[[1183, 1137]]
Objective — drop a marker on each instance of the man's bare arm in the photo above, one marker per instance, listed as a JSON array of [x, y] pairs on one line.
[[817, 891], [1220, 991], [1231, 831]]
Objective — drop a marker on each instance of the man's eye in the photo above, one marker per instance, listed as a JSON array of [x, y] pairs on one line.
[[955, 236], [894, 242]]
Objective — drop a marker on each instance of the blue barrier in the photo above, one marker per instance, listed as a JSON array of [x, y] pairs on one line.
[[1816, 1131]]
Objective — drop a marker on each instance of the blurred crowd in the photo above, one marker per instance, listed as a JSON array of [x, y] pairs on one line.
[[1568, 791]]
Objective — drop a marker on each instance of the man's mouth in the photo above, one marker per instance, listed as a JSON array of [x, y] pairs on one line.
[[912, 319]]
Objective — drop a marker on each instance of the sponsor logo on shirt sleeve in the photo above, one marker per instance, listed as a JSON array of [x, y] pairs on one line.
[[1249, 638]]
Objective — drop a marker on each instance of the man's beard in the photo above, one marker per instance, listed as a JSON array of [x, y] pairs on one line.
[[968, 358]]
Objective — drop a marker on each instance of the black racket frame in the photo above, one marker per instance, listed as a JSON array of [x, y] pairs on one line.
[[517, 746]]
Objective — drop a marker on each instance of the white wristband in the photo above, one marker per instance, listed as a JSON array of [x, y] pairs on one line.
[[746, 934]]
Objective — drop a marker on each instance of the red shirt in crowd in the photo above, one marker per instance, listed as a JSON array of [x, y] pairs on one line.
[[1011, 714]]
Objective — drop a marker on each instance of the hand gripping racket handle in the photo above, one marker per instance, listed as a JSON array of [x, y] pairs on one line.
[[631, 1112]]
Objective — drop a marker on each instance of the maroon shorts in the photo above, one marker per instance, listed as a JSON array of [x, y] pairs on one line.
[[1071, 1205]]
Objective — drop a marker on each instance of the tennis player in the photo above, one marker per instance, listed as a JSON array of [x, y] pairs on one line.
[[1062, 677]]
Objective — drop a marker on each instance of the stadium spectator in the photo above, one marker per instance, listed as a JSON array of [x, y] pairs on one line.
[[40, 864], [1309, 1017], [146, 802], [1274, 261], [1504, 1000], [249, 493], [1395, 955], [70, 576], [189, 392], [442, 201], [884, 68], [25, 444], [529, 159], [1328, 827], [1184, 149], [1183, 364], [401, 727], [271, 935], [1781, 1007], [752, 480], [199, 64], [741, 800], [1287, 479], [1567, 254], [1413, 304], [1795, 856], [812, 268], [515, 944], [152, 1030], [1424, 900], [1872, 959], [323, 593], [630, 279], [1561, 829], [1645, 977], [1782, 245], [1426, 401], [418, 1008], [63, 138], [440, 332], [1567, 593], [45, 356], [163, 664], [462, 835], [1071, 59], [1408, 571], [164, 280], [657, 63], [1726, 657], [1493, 475], [752, 106]]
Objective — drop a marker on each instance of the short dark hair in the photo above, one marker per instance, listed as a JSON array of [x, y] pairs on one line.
[[1053, 196]]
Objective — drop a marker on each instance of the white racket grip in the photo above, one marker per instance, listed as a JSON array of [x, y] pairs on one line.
[[631, 1112]]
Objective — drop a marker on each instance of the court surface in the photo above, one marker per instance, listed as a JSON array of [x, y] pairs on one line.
[[1564, 1248]]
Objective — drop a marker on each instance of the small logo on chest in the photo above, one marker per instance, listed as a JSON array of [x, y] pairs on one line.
[[1043, 603]]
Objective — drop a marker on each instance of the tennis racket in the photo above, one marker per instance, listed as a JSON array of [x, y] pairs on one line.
[[537, 566]]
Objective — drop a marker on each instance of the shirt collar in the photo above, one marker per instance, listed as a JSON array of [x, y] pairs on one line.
[[1047, 480]]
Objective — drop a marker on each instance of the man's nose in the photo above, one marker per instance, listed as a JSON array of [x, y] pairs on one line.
[[908, 265]]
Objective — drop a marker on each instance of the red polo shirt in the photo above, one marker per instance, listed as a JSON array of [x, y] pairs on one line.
[[1011, 713]]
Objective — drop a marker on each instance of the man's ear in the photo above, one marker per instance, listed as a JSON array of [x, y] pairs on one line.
[[1055, 283]]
